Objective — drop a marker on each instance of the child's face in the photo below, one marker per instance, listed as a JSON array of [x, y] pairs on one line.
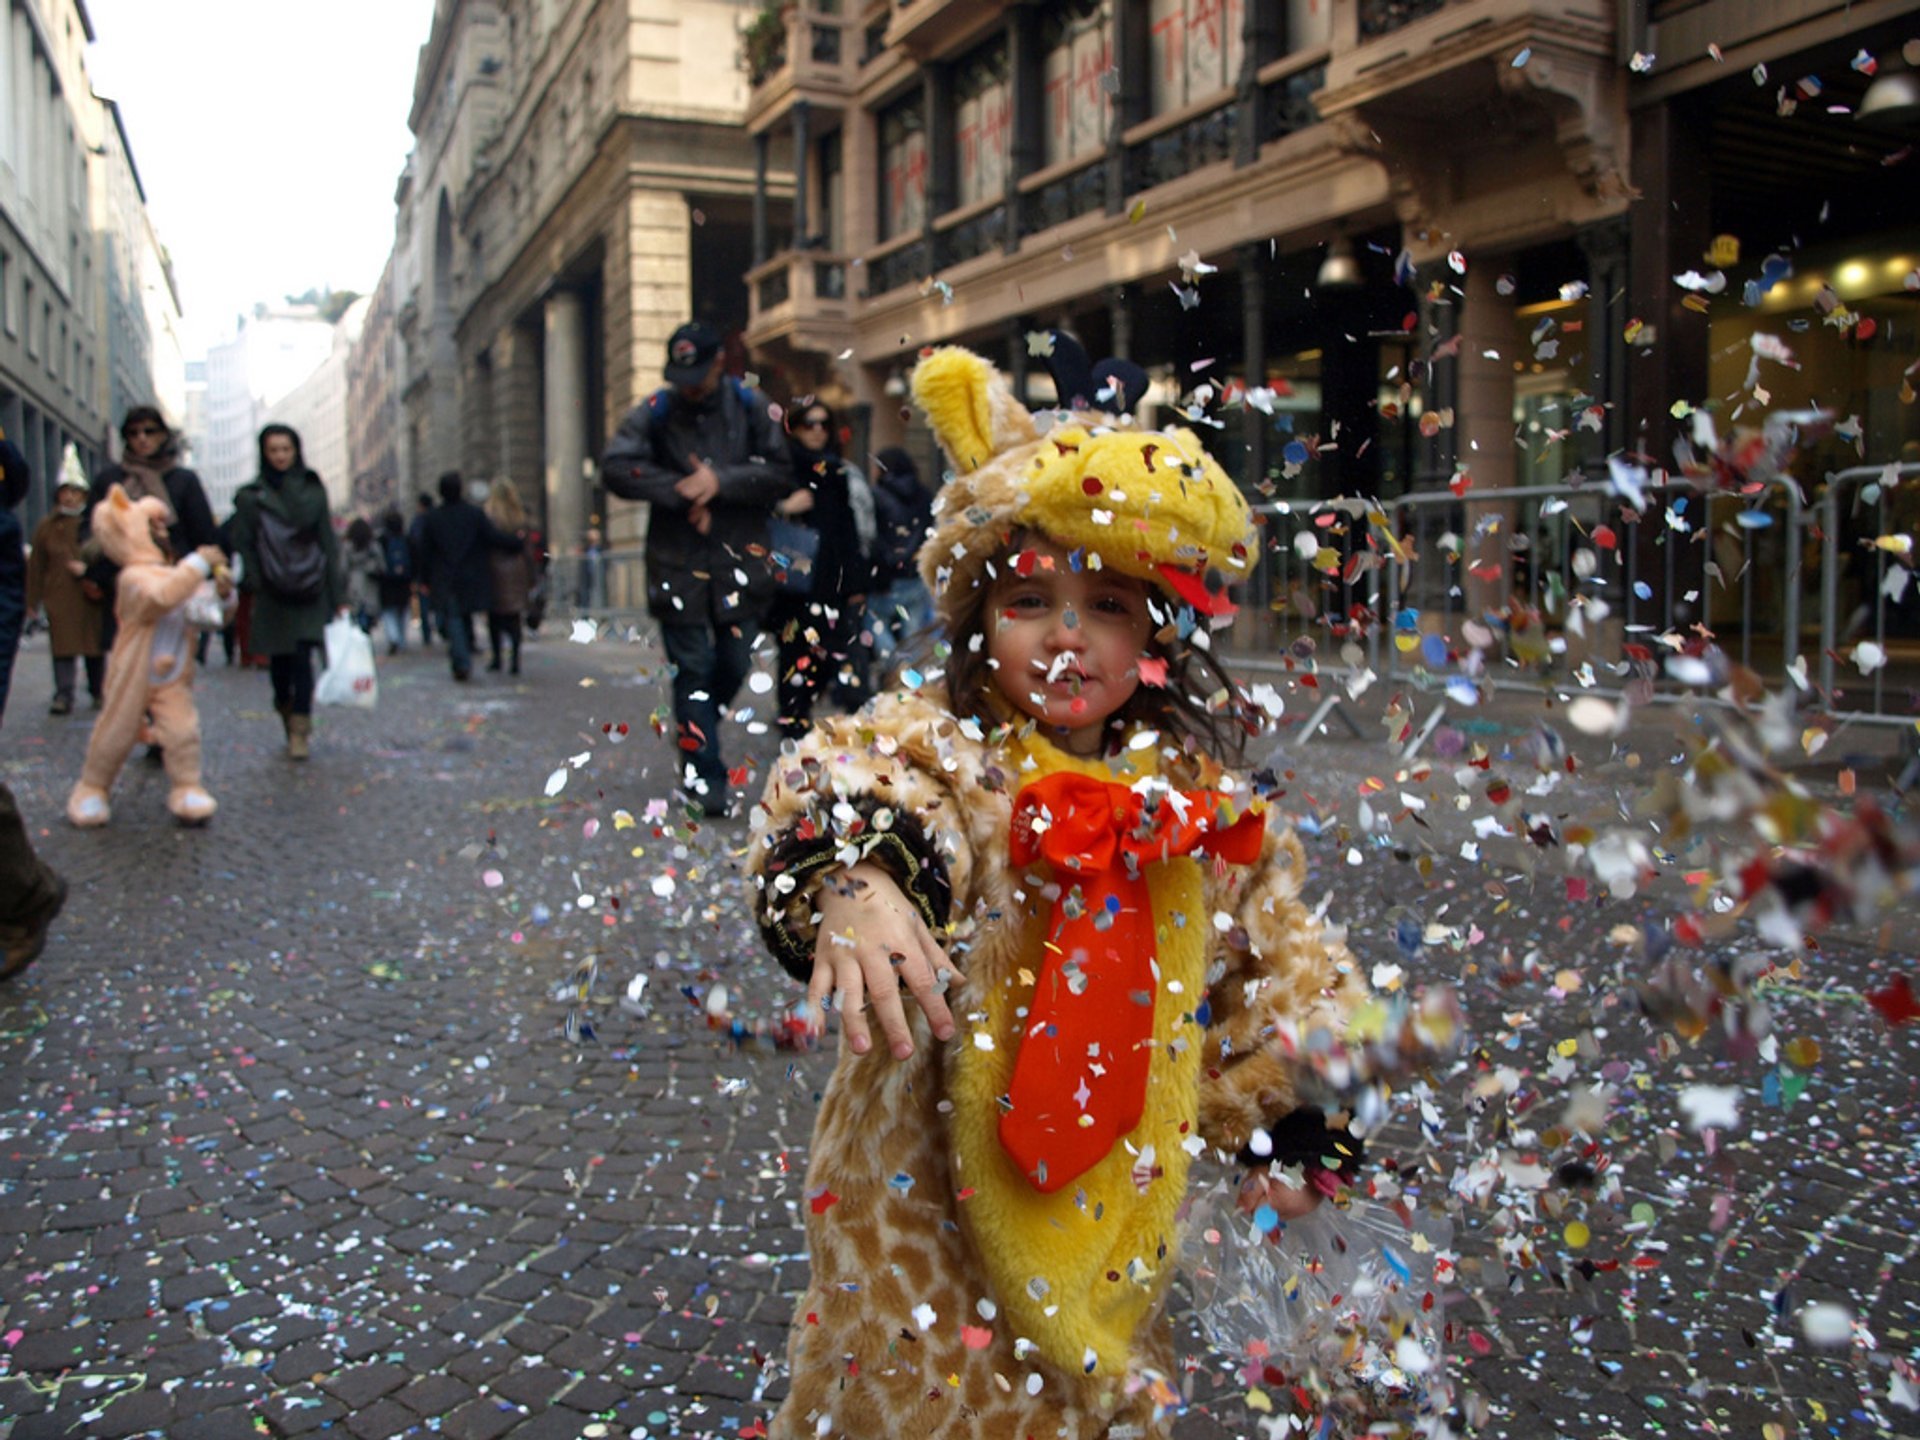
[[1066, 644]]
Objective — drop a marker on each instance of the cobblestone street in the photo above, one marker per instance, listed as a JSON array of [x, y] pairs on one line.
[[291, 1139]]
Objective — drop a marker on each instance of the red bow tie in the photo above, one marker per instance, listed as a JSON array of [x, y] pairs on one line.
[[1080, 1078]]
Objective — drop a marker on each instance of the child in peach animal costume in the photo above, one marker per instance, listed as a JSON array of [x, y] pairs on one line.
[[994, 1195], [150, 672]]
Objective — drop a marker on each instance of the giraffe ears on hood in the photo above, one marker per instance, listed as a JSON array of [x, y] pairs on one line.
[[973, 414]]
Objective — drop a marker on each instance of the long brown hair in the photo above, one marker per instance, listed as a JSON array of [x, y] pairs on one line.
[[1200, 703]]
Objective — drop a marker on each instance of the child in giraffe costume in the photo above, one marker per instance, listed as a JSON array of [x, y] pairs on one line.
[[1081, 934]]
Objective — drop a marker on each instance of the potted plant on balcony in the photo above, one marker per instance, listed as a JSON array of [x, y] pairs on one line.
[[763, 40]]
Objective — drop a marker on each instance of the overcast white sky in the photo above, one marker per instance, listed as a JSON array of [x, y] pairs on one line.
[[269, 135]]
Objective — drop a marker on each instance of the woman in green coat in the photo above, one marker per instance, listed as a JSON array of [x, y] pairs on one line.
[[290, 563]]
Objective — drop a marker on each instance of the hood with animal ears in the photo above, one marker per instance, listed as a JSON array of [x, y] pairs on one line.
[[124, 528], [1149, 503]]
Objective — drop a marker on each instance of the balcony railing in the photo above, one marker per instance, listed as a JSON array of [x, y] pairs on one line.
[[809, 46], [906, 266], [797, 289], [978, 234], [1289, 102], [1063, 198], [1383, 17], [1204, 140]]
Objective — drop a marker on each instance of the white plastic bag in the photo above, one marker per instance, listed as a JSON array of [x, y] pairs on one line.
[[349, 678], [1346, 1303]]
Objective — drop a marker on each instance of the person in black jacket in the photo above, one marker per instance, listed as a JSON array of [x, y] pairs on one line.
[[31, 893], [899, 605], [707, 455], [819, 630], [16, 479], [416, 537], [149, 465], [454, 547]]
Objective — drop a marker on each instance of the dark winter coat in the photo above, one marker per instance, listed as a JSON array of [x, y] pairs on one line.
[[396, 570], [16, 478], [192, 524], [513, 575], [73, 620], [299, 500], [722, 576], [840, 569], [904, 514], [13, 589], [455, 544]]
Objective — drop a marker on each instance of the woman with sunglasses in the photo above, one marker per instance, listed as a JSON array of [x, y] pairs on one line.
[[149, 465], [819, 627]]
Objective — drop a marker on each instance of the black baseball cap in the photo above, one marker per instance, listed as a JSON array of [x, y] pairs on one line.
[[690, 352]]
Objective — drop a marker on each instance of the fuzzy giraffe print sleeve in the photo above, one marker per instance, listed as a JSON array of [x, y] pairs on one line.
[[1280, 974]]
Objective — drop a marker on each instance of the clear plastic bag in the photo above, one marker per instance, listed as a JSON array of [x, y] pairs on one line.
[[1344, 1306], [206, 609]]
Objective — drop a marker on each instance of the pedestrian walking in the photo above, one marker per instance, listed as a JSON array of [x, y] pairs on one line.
[[416, 538], [899, 606], [590, 591], [56, 582], [361, 564], [396, 580], [818, 612], [514, 573], [454, 551], [1057, 794], [149, 464], [16, 478], [706, 454], [290, 565]]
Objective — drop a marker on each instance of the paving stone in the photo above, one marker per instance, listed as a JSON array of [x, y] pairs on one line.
[[531, 1385], [381, 1420], [359, 1386], [480, 1419], [435, 1395]]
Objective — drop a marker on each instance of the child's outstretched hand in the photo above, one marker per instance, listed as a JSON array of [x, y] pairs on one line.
[[871, 942], [1289, 1202]]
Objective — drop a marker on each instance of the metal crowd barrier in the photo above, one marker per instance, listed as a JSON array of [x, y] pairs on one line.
[[1693, 562], [1404, 576], [1850, 520], [610, 586]]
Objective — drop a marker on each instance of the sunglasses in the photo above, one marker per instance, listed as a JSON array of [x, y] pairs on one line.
[[143, 430], [812, 422]]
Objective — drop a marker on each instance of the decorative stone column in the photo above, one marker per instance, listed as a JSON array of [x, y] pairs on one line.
[[565, 365]]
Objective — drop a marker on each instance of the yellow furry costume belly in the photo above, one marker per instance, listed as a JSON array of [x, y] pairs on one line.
[[1079, 1271]]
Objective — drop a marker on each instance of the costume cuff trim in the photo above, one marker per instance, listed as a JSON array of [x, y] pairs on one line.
[[1303, 1137], [805, 855]]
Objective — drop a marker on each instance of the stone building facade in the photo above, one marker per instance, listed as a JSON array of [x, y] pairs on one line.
[[1253, 183], [87, 309], [580, 185], [373, 405]]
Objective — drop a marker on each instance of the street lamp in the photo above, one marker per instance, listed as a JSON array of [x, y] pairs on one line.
[[1340, 270], [1894, 96]]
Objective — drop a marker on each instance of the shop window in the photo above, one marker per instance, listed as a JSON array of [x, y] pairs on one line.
[[26, 317], [6, 291], [983, 123], [1077, 89], [1194, 50], [903, 168]]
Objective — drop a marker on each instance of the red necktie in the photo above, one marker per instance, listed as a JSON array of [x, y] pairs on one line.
[[1080, 1078]]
